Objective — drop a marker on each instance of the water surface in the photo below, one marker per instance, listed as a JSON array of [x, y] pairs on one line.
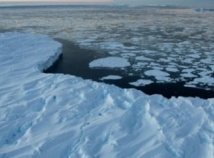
[[75, 61]]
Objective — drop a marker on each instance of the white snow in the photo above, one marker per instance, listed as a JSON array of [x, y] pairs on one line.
[[110, 62], [56, 115], [111, 77]]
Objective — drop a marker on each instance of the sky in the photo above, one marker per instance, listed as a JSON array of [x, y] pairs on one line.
[[128, 2]]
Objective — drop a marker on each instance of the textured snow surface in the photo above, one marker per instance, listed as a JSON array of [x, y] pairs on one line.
[[110, 62], [55, 115]]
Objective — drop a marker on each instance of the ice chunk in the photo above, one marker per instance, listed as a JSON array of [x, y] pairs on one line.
[[110, 62], [141, 82], [156, 73], [111, 77]]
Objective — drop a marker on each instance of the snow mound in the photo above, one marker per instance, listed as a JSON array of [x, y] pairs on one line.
[[110, 62], [56, 115]]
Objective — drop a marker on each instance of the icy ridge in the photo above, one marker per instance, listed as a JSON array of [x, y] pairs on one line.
[[56, 115]]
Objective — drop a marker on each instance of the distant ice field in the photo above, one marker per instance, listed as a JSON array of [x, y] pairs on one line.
[[159, 45]]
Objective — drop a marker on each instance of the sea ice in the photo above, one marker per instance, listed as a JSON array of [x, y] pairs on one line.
[[110, 62], [156, 73], [57, 115], [111, 77], [172, 69], [114, 30], [188, 75], [141, 82], [143, 58]]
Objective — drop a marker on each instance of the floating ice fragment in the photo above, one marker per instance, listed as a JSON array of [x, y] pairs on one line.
[[141, 82], [110, 62], [111, 77]]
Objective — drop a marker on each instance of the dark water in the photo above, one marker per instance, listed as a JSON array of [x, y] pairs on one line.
[[75, 61]]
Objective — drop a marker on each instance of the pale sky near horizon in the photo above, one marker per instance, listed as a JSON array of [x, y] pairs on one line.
[[133, 2]]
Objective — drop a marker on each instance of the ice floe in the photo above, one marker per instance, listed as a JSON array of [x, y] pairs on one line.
[[109, 62], [111, 77], [156, 73], [141, 82], [171, 69]]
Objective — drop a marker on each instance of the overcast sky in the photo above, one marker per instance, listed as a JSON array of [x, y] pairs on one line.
[[208, 3]]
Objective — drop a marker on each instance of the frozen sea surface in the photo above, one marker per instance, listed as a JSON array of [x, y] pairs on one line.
[[56, 115], [168, 40]]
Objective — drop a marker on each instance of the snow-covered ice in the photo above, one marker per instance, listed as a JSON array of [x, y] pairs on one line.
[[56, 115], [141, 82], [110, 62], [188, 75], [156, 73], [172, 69], [160, 76], [143, 58], [111, 77]]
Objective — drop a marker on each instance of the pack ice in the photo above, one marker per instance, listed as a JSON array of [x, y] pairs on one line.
[[56, 115]]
